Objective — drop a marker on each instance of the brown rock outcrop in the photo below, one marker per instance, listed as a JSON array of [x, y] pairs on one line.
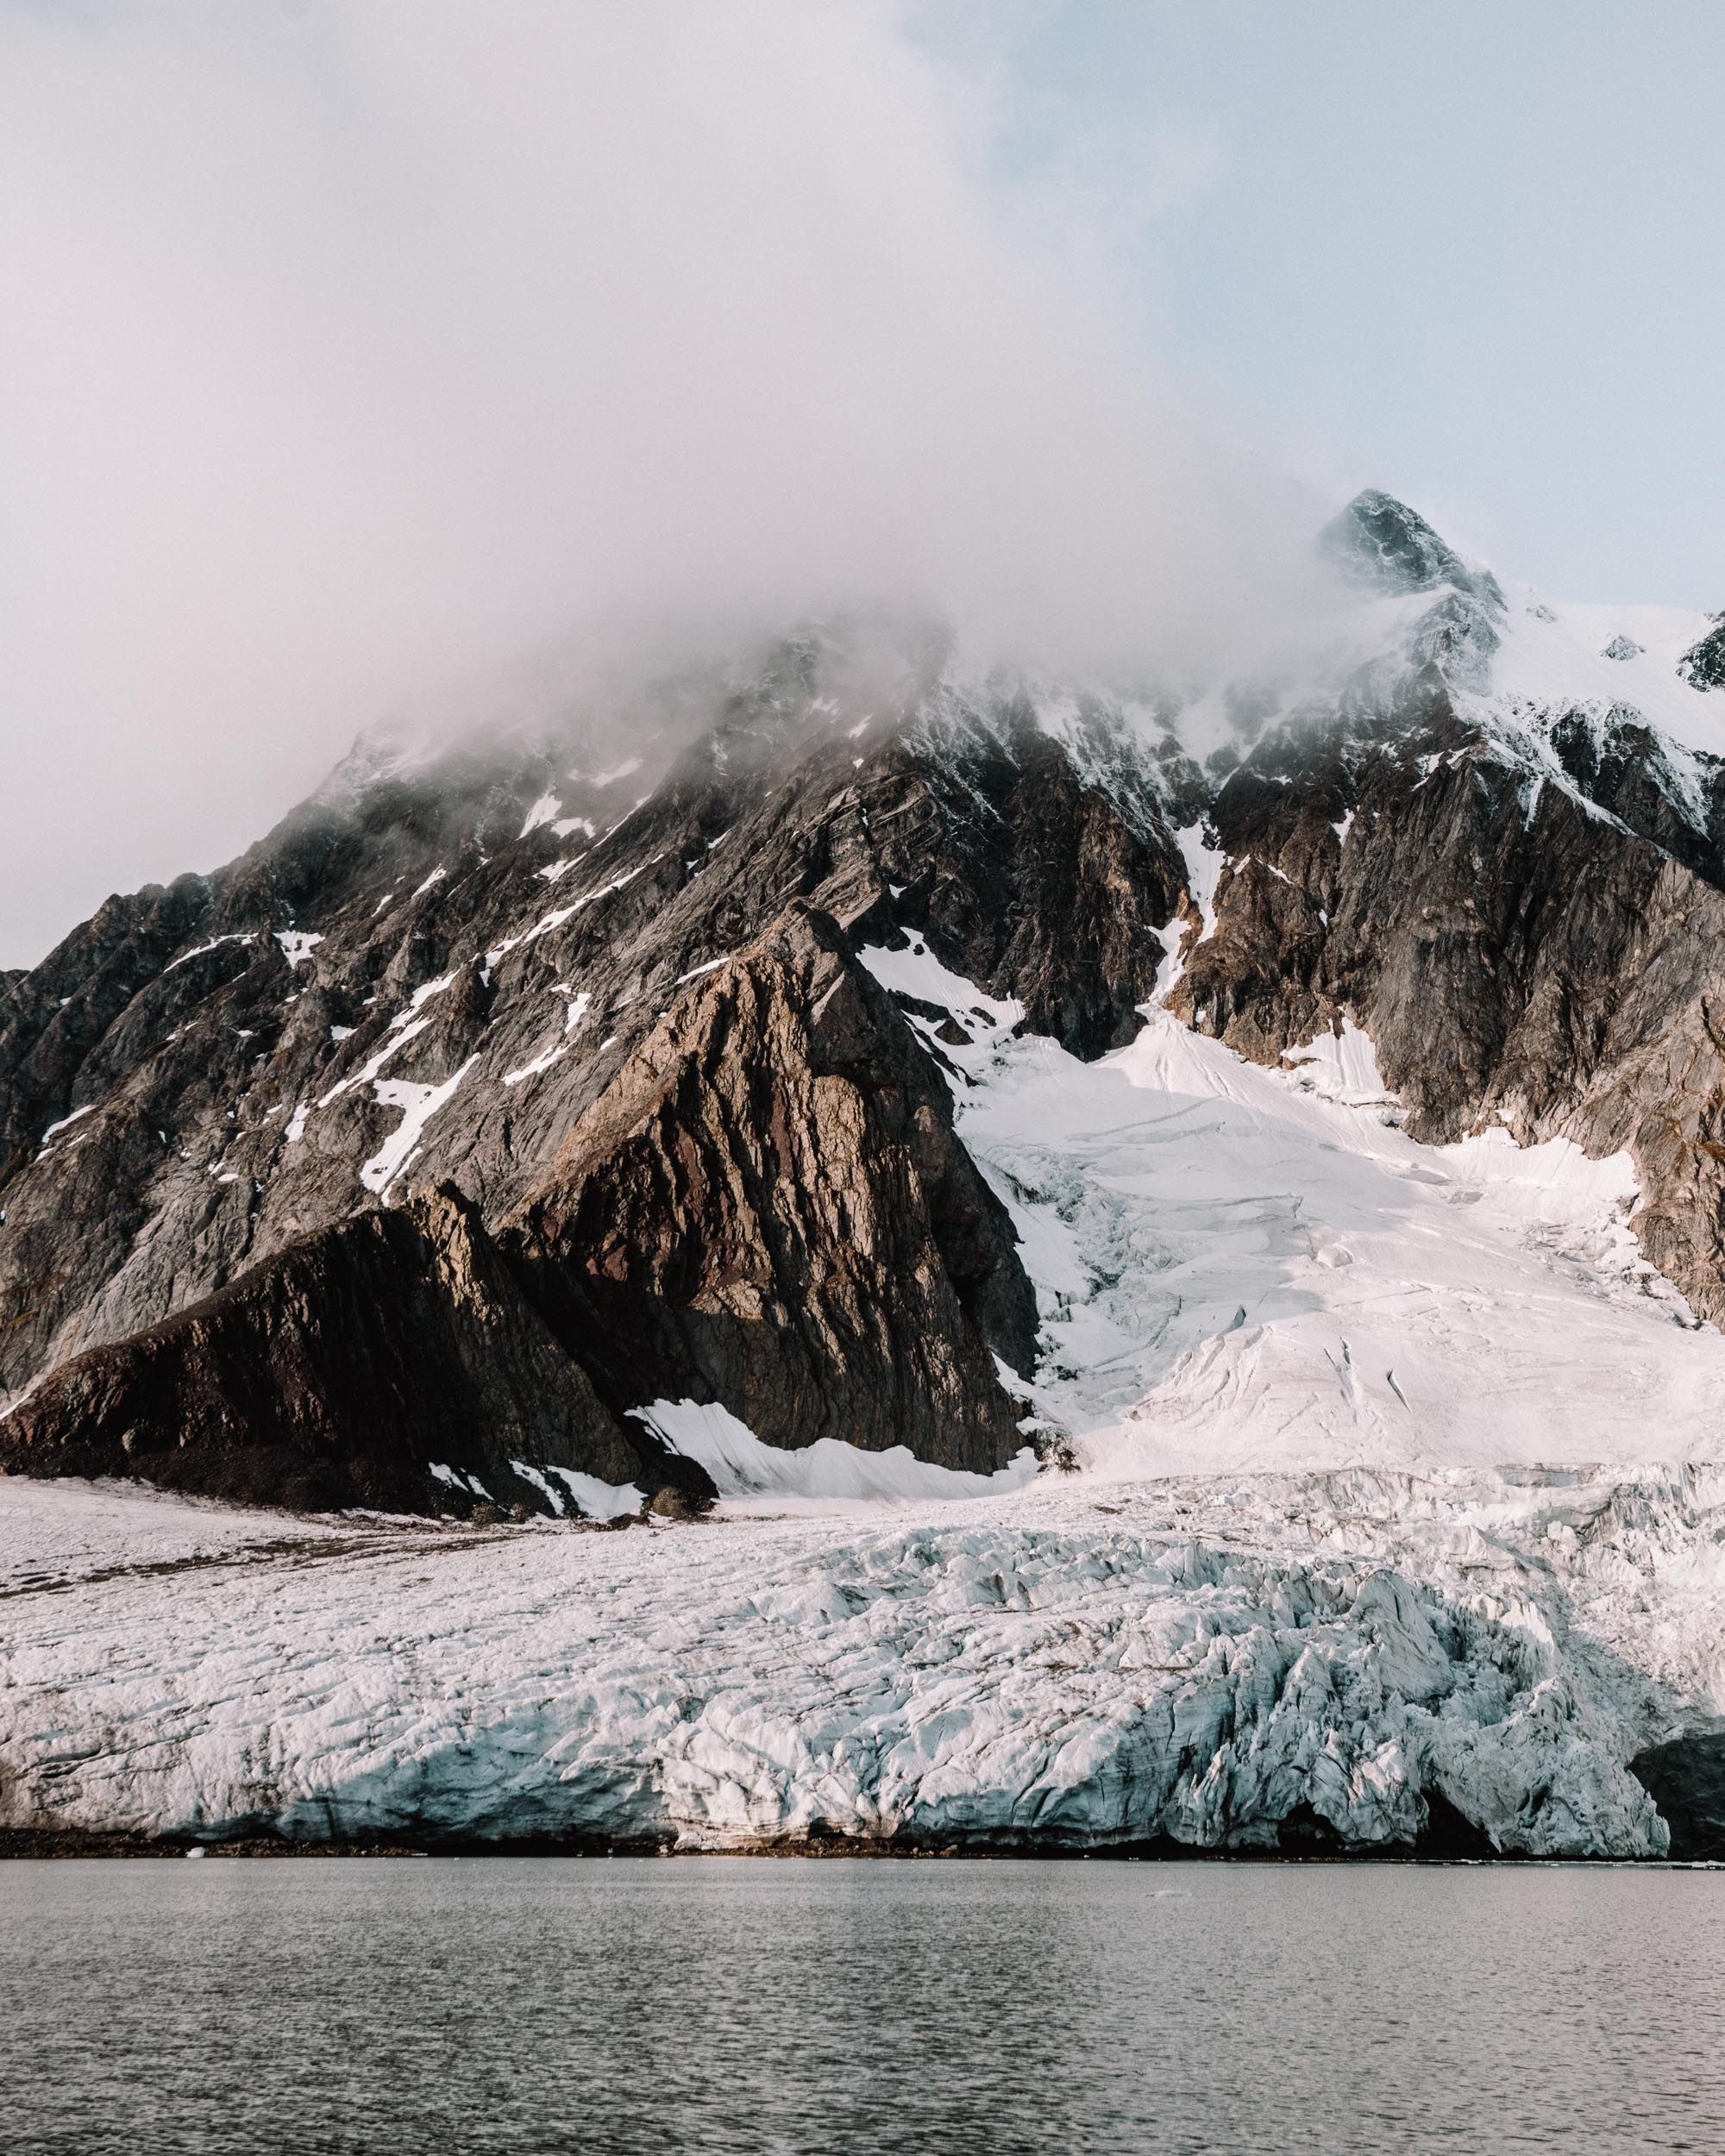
[[1515, 955], [769, 1205], [335, 1373]]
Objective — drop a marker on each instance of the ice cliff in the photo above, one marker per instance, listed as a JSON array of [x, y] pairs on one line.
[[1383, 1660]]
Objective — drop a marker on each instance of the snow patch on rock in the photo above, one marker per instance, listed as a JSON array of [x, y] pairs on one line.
[[297, 944], [418, 1104], [826, 1474], [65, 1122], [215, 943]]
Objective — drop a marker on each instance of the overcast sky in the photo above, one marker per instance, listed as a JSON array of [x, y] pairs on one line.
[[352, 347]]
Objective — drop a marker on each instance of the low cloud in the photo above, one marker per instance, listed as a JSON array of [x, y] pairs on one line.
[[353, 350]]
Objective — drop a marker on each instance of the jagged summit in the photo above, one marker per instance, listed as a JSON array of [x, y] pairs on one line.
[[1383, 547], [1379, 542]]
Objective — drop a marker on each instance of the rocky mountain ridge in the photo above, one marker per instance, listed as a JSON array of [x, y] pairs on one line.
[[669, 1139]]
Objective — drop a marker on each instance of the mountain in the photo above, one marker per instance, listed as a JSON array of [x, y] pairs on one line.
[[618, 1027], [849, 1078]]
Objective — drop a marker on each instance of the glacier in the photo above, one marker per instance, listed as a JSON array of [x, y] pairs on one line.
[[1241, 1268], [1380, 1501], [1199, 1659]]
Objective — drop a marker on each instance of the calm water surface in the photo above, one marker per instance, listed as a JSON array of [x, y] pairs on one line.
[[733, 2004]]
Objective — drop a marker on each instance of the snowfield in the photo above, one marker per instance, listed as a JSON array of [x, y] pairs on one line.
[[1558, 654], [1240, 1267]]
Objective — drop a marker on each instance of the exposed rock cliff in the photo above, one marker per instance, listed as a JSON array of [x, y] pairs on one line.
[[705, 1154], [336, 1373], [767, 1205], [1704, 666], [1516, 952], [432, 977]]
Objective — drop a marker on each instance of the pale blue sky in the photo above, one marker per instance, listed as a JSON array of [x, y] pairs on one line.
[[1473, 253]]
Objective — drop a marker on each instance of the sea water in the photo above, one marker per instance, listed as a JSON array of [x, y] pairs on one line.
[[300, 2005]]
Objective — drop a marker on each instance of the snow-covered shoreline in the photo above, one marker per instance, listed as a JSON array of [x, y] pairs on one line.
[[1077, 1665]]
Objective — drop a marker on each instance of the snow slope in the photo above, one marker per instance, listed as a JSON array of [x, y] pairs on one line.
[[1552, 656], [1244, 1269]]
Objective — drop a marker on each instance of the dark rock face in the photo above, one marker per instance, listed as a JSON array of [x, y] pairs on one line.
[[768, 1206], [238, 1088], [1703, 666], [335, 1373], [259, 1035], [1686, 1779], [1514, 953], [1618, 763], [1381, 545], [1381, 542], [1041, 873]]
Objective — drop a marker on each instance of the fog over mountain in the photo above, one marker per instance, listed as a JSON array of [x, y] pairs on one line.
[[372, 351]]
